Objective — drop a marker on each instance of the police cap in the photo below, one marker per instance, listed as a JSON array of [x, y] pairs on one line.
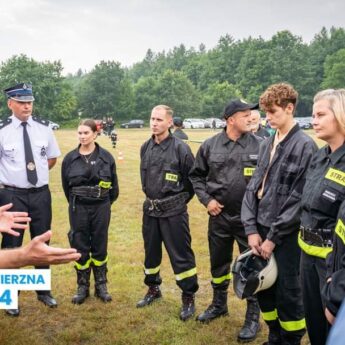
[[21, 92]]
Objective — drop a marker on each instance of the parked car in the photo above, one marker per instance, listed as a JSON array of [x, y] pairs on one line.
[[219, 123], [304, 122], [193, 123], [54, 125], [133, 124]]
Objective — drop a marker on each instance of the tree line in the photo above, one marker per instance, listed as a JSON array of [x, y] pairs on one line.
[[194, 82]]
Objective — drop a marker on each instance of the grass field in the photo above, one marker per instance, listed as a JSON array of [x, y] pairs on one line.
[[119, 322]]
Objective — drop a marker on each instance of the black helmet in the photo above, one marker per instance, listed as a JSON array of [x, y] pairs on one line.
[[253, 273]]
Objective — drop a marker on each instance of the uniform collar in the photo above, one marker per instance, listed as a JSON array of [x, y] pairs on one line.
[[226, 140], [163, 144], [16, 122], [76, 154], [336, 155]]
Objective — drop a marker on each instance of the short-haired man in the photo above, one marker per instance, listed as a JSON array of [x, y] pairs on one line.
[[222, 169], [165, 165], [271, 212], [257, 129], [28, 149]]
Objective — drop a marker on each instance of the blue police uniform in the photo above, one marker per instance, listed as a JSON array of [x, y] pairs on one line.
[[14, 184]]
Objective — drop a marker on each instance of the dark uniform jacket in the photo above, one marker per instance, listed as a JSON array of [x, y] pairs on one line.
[[223, 168], [262, 132], [279, 208], [324, 191], [75, 172], [179, 133], [334, 292], [164, 170]]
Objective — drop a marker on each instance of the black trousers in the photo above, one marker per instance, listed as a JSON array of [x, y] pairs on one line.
[[37, 203], [313, 278], [89, 225], [174, 233], [283, 300], [222, 233]]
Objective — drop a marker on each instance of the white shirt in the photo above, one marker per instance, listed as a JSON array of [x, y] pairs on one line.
[[12, 153]]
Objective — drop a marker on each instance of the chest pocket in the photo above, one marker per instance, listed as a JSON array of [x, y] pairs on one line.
[[332, 192], [104, 178], [249, 162], [78, 176], [10, 151], [217, 167], [171, 178], [41, 148]]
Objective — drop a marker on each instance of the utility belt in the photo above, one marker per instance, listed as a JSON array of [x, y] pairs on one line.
[[319, 237], [96, 192], [24, 190], [168, 203]]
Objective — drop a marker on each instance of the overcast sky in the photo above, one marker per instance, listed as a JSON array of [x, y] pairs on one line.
[[81, 33]]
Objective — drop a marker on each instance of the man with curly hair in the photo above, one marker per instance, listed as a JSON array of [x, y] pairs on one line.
[[271, 212]]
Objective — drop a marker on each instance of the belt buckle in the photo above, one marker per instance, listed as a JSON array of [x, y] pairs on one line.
[[99, 190], [302, 229]]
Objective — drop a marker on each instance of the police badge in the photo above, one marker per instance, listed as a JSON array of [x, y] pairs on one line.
[[31, 166]]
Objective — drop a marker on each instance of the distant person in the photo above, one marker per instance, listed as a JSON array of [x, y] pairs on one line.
[[223, 167], [214, 125], [164, 168], [178, 132], [90, 184], [256, 126], [28, 151]]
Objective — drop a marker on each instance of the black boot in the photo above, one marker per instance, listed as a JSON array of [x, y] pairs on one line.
[[251, 324], [291, 338], [83, 281], [152, 294], [274, 336], [188, 307], [101, 291], [217, 308]]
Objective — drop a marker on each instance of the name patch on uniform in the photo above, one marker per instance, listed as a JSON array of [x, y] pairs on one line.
[[105, 185], [329, 195], [336, 176], [171, 177], [340, 230], [248, 171], [253, 157]]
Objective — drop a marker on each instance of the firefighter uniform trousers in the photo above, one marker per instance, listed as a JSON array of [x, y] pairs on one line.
[[282, 302], [313, 278], [35, 201], [89, 223], [174, 232], [221, 236]]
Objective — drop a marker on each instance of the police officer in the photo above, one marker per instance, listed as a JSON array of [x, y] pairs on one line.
[[178, 132], [323, 193], [28, 150], [90, 184], [222, 169], [271, 212], [165, 164]]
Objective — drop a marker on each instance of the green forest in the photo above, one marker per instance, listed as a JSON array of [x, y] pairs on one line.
[[195, 82]]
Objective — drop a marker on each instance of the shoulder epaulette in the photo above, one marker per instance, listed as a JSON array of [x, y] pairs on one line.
[[43, 122], [4, 123]]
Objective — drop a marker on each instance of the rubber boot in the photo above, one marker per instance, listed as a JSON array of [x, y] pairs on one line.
[[83, 290], [153, 293], [251, 324], [217, 308], [101, 291], [188, 307]]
